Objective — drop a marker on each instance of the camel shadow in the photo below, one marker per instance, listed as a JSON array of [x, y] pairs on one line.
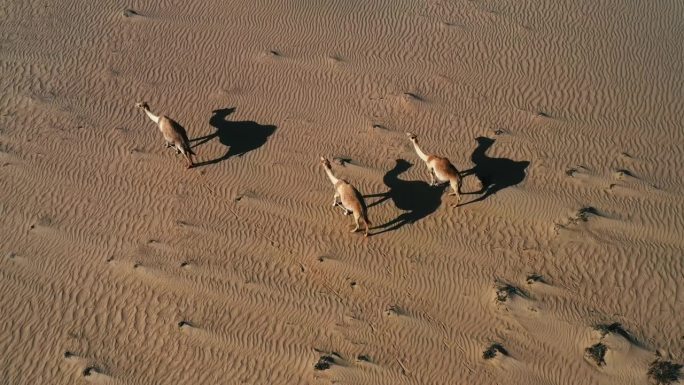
[[240, 137], [416, 198], [495, 173]]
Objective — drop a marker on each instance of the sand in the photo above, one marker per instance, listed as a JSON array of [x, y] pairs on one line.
[[119, 266]]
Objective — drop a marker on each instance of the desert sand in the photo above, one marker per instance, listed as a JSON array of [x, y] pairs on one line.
[[120, 266]]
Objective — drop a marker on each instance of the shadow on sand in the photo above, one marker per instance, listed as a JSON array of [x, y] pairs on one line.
[[240, 137], [495, 173], [416, 198]]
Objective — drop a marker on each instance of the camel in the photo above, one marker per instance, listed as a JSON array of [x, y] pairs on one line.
[[439, 168], [350, 198], [174, 133]]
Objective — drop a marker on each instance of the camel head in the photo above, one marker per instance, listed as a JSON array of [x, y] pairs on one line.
[[412, 136], [142, 105], [325, 162]]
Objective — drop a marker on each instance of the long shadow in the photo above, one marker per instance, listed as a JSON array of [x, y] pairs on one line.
[[240, 137], [495, 173], [416, 198]]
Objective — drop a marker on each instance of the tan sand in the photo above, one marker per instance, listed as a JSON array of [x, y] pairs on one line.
[[119, 266]]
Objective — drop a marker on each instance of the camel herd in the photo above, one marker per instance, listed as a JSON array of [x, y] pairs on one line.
[[346, 195]]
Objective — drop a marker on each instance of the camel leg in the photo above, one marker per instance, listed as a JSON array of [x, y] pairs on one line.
[[432, 178], [188, 159], [356, 222], [456, 187], [337, 195]]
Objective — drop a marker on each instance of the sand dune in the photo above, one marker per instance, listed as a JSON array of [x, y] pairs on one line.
[[562, 264]]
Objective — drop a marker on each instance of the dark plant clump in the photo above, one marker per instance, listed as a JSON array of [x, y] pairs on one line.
[[615, 328], [324, 362], [90, 370], [183, 323], [506, 291], [364, 357], [129, 13], [584, 213], [598, 353], [493, 350], [534, 277], [664, 372], [624, 172]]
